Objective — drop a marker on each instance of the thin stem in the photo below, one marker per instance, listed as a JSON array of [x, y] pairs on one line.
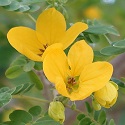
[[31, 17], [109, 41], [79, 111], [30, 98], [53, 3]]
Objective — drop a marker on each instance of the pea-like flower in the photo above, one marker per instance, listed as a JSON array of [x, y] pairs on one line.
[[76, 76], [50, 29], [57, 111], [107, 96]]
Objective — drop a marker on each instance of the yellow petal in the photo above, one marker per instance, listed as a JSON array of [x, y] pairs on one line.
[[72, 33], [107, 93], [51, 48], [51, 25], [81, 94], [24, 40], [80, 54], [96, 75], [61, 87], [55, 65]]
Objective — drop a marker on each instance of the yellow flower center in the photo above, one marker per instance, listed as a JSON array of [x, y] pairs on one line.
[[72, 84], [43, 49]]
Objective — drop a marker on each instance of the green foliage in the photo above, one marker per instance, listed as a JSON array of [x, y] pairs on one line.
[[33, 117], [97, 28], [24, 65], [36, 80], [35, 111], [20, 116], [21, 5], [46, 120], [13, 71], [120, 44], [6, 93], [111, 122], [102, 117], [93, 117], [88, 107]]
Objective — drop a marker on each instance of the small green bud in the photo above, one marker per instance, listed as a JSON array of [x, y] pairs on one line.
[[57, 111], [96, 105]]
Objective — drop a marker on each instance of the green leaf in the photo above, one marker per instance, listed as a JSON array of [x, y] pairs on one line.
[[34, 8], [7, 90], [36, 80], [110, 51], [93, 123], [4, 2], [29, 66], [13, 72], [13, 6], [19, 62], [118, 82], [12, 123], [120, 44], [80, 116], [46, 121], [22, 88], [99, 56], [85, 121], [38, 65], [17, 90], [94, 38], [111, 122], [4, 89], [102, 117], [20, 116], [95, 27], [23, 8], [35, 111], [88, 107], [29, 2], [5, 98]]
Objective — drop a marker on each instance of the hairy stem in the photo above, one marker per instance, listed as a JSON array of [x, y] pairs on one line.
[[31, 17], [30, 98]]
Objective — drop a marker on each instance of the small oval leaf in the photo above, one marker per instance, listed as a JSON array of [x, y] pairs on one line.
[[36, 80], [20, 116], [35, 111], [14, 71]]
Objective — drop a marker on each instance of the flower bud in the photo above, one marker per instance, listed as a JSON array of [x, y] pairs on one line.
[[96, 105], [56, 111], [107, 96]]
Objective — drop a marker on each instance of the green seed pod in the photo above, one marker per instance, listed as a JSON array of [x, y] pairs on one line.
[[57, 111]]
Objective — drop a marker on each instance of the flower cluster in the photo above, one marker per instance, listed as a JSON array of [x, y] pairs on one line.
[[74, 75]]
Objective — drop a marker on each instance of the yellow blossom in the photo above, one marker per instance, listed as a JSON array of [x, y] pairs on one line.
[[107, 96], [92, 12], [76, 76], [50, 29]]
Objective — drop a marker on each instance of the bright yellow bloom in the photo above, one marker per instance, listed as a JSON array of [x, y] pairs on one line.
[[92, 12], [76, 76], [50, 29], [107, 96], [57, 111]]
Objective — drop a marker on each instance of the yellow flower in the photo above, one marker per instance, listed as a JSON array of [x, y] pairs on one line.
[[57, 111], [107, 96], [50, 29], [92, 12], [76, 76]]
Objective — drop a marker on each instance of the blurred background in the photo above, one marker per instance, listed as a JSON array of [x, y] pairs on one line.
[[110, 12]]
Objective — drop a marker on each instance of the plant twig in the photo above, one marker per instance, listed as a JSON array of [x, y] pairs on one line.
[[30, 98], [31, 17]]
